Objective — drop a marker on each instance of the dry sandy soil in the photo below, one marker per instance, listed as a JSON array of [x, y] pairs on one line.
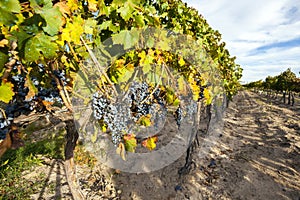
[[255, 155]]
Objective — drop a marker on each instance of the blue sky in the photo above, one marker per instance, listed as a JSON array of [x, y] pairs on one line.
[[264, 35]]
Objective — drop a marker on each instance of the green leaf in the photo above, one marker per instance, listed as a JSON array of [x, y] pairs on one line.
[[126, 11], [6, 91], [145, 120], [3, 59], [40, 46], [89, 26], [50, 14], [125, 76], [10, 5], [128, 38], [130, 142], [21, 36], [139, 20], [39, 5], [53, 19], [170, 96], [7, 18]]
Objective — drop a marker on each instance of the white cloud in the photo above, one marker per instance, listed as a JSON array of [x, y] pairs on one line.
[[249, 24]]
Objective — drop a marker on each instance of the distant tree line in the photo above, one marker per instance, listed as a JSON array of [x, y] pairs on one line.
[[286, 83]]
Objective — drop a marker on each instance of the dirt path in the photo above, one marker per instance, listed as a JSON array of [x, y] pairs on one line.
[[256, 156], [265, 162]]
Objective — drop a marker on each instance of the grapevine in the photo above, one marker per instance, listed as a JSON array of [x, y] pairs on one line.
[[48, 46]]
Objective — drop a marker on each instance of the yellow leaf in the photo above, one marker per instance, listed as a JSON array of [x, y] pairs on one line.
[[6, 91], [182, 85], [181, 62], [93, 5], [207, 95], [145, 120], [121, 150], [73, 5], [150, 143], [3, 42]]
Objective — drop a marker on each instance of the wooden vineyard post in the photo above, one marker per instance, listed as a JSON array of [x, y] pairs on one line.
[[70, 168]]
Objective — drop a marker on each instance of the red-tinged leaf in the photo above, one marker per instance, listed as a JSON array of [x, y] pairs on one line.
[[121, 150], [150, 143], [6, 91], [130, 142]]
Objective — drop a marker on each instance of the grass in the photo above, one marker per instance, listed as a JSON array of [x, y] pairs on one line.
[[14, 162]]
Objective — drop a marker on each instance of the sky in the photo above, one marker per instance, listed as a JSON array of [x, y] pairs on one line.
[[264, 35]]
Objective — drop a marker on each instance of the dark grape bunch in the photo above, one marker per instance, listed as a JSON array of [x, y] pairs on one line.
[[178, 116], [61, 75], [4, 124], [114, 115], [144, 102], [21, 103], [119, 115]]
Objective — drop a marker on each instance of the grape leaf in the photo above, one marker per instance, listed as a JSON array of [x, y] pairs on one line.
[[51, 15], [121, 150], [63, 7], [53, 19], [127, 38], [150, 143], [73, 5], [130, 142], [126, 11], [207, 96], [40, 45], [89, 26], [3, 59], [145, 120], [7, 18], [139, 20], [29, 84], [39, 5], [73, 31], [3, 42], [6, 91], [181, 62], [92, 5], [10, 6]]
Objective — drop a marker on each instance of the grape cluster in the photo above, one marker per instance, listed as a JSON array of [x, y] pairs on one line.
[[61, 75], [22, 105], [114, 115], [143, 103], [178, 116], [4, 124], [119, 115]]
